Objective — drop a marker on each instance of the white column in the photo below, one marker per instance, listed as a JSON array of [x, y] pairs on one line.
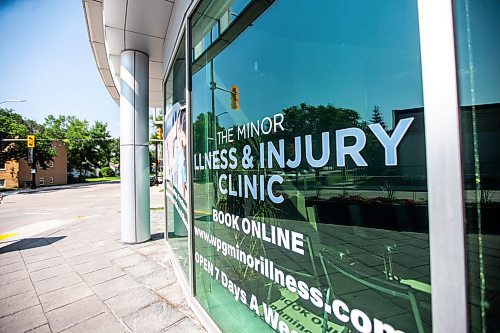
[[134, 146]]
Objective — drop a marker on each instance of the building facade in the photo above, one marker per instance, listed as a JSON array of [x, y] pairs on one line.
[[328, 166], [17, 174]]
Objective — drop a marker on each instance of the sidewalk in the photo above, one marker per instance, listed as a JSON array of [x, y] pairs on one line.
[[81, 278]]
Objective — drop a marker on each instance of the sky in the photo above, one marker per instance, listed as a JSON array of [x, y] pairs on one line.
[[351, 54], [339, 54], [46, 58]]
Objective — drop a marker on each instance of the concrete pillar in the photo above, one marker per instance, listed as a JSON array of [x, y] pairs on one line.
[[134, 146]]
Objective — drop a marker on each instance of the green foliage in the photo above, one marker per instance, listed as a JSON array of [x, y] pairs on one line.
[[377, 117], [107, 172], [114, 149], [89, 146], [14, 126]]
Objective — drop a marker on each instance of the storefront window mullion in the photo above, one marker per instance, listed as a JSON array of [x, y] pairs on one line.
[[444, 166], [189, 113]]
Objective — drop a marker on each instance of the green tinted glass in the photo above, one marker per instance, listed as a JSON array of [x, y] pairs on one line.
[[310, 198], [477, 31]]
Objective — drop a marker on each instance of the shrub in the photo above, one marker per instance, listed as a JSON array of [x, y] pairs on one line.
[[107, 172]]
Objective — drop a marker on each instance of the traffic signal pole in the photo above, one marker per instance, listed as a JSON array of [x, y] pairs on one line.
[[33, 173], [156, 163], [30, 142]]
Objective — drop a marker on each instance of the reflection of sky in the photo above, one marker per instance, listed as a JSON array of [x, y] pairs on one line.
[[484, 43], [351, 54]]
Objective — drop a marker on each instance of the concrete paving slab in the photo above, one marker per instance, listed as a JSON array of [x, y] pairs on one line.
[[41, 329], [17, 303], [14, 267], [102, 275], [173, 294], [15, 288], [40, 256], [38, 265], [49, 272], [75, 313], [153, 318], [67, 295], [8, 254], [83, 258], [119, 253], [76, 252], [160, 278], [141, 269], [10, 260], [14, 276], [152, 248], [92, 266], [114, 287], [24, 320], [132, 301], [183, 326], [104, 322], [56, 282], [128, 261], [112, 246]]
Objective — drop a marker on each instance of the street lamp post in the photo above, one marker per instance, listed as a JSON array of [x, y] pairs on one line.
[[13, 101]]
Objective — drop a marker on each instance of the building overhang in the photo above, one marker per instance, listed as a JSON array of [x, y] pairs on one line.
[[116, 25]]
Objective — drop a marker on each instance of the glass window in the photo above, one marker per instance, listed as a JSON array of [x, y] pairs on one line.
[[2, 165], [51, 180], [478, 51], [42, 181], [2, 182], [175, 157], [311, 198]]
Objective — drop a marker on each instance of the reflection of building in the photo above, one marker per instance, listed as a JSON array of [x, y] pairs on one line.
[[15, 174], [411, 151], [487, 118]]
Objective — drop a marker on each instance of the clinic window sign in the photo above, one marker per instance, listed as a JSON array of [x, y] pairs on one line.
[[267, 154]]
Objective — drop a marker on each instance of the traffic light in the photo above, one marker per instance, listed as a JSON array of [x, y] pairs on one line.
[[159, 133], [31, 141], [235, 98]]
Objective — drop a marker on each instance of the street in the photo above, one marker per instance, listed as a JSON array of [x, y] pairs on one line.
[[28, 213], [58, 206]]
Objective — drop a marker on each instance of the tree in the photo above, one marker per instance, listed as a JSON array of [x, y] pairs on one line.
[[89, 147], [114, 148], [14, 126], [377, 117], [100, 144]]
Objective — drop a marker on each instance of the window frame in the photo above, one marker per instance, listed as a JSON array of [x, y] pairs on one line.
[[443, 158]]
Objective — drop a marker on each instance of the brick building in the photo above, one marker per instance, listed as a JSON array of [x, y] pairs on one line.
[[14, 174]]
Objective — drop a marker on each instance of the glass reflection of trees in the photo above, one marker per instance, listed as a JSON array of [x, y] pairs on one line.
[[366, 227]]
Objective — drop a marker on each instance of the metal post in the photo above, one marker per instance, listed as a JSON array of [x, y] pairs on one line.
[[156, 163], [32, 160]]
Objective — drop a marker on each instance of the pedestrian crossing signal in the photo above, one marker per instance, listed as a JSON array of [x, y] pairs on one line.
[[31, 141]]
